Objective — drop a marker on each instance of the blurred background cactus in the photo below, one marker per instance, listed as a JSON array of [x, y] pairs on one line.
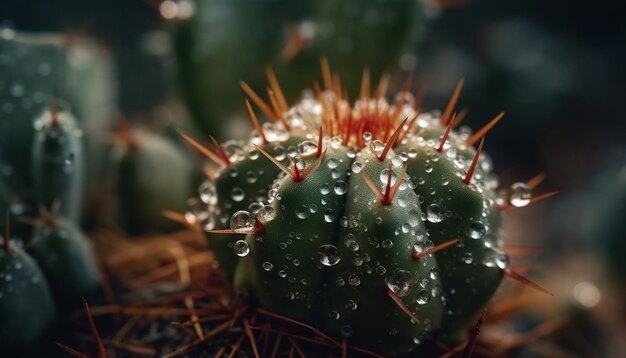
[[71, 70]]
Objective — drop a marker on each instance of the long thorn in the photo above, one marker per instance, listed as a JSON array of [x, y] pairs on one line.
[[470, 172], [315, 165], [274, 160], [446, 133], [402, 306], [392, 140], [102, 353], [452, 103], [521, 279], [71, 351], [246, 325], [372, 186], [326, 74], [418, 255], [265, 108], [471, 342], [256, 123], [320, 142], [220, 150], [509, 206], [389, 195], [280, 96], [535, 181], [483, 131], [201, 147]]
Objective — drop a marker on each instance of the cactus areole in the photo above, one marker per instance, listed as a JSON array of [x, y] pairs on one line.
[[371, 221]]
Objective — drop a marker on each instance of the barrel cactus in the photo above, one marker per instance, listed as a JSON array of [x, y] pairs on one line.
[[26, 304], [370, 221]]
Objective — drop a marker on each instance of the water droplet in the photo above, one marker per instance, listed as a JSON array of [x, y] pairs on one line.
[[399, 282], [377, 146], [251, 177], [468, 258], [495, 258], [329, 215], [476, 230], [241, 248], [302, 212], [307, 148], [207, 193], [423, 297], [354, 280], [267, 266], [341, 187], [266, 214], [520, 195], [351, 305], [237, 194], [434, 213], [356, 167], [328, 255], [242, 221]]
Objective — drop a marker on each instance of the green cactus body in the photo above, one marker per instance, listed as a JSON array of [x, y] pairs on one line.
[[64, 255], [33, 68], [57, 160], [385, 233], [26, 304], [153, 175]]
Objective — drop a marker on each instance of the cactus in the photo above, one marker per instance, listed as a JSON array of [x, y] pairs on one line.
[[33, 67], [152, 175], [57, 160], [64, 255], [291, 38], [384, 232], [26, 304]]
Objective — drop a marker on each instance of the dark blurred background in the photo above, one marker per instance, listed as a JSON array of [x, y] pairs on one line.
[[555, 67]]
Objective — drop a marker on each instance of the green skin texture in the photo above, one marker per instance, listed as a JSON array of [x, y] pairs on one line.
[[466, 287], [65, 257], [151, 178], [209, 47], [26, 304], [57, 159], [42, 65]]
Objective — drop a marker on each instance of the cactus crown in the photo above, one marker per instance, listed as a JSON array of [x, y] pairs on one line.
[[374, 221]]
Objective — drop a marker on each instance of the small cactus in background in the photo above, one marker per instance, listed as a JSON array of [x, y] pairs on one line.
[[373, 221], [151, 174], [291, 37], [64, 255], [26, 304], [57, 160], [34, 68]]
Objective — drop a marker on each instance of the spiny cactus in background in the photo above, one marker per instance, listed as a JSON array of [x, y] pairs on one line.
[[64, 255], [26, 304], [291, 37], [57, 160], [373, 221], [152, 174], [33, 69]]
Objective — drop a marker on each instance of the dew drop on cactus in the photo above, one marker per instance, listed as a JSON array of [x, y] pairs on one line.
[[476, 230], [434, 213], [328, 255], [496, 258], [520, 195], [399, 282], [242, 221], [241, 248]]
